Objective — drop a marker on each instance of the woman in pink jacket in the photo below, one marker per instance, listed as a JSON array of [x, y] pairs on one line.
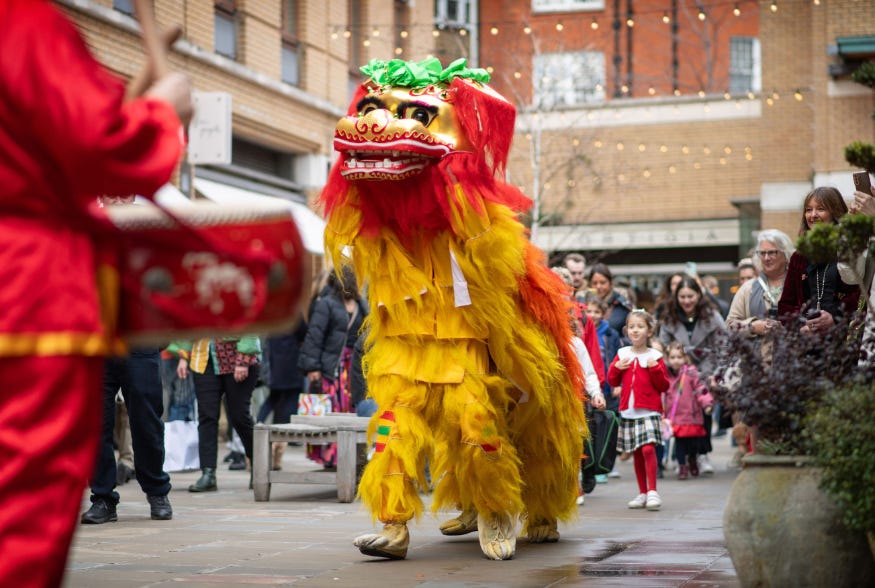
[[641, 373]]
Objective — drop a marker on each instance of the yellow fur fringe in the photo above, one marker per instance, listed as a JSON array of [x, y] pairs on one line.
[[461, 379]]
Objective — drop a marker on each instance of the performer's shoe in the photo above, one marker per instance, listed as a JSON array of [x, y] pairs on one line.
[[497, 535], [463, 524], [543, 531], [391, 542]]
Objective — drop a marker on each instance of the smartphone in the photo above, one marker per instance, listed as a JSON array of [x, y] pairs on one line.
[[862, 182], [691, 269]]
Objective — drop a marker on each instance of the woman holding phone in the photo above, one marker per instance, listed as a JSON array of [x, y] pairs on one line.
[[816, 292]]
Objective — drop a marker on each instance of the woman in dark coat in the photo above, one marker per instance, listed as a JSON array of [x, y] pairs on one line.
[[601, 280], [284, 380], [336, 317]]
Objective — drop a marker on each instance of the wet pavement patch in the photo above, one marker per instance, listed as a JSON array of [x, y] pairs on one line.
[[608, 572], [609, 550], [642, 559]]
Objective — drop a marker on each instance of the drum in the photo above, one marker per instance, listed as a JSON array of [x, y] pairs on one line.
[[204, 270]]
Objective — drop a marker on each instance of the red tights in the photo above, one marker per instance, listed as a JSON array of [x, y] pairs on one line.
[[645, 467]]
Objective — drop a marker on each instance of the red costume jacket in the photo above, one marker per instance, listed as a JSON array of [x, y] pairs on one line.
[[648, 384], [52, 167]]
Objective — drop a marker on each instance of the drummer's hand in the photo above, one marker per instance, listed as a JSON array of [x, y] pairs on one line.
[[598, 401], [182, 369], [175, 88], [314, 376], [241, 372]]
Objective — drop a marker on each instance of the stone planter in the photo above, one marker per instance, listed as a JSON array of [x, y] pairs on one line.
[[782, 530]]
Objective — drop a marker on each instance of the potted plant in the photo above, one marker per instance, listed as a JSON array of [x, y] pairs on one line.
[[781, 527], [842, 435]]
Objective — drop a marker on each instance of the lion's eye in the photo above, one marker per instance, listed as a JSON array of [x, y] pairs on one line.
[[420, 114], [367, 108]]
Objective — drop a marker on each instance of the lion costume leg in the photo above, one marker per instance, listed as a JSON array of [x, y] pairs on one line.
[[391, 480], [475, 463], [551, 462], [478, 465]]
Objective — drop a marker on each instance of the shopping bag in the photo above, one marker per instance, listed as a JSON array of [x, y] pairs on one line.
[[180, 446], [311, 404], [667, 431]]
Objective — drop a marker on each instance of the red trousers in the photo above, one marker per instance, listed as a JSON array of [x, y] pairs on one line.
[[50, 420]]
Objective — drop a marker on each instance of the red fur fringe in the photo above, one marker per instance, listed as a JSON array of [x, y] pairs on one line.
[[540, 294], [487, 120]]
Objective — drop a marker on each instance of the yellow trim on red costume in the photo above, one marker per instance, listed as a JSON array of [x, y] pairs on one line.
[[50, 344]]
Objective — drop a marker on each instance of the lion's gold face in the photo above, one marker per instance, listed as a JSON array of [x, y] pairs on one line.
[[398, 132]]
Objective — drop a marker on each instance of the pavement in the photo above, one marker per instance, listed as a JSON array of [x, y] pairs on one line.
[[303, 538]]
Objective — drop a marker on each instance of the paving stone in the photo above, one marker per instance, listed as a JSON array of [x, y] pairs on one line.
[[303, 538]]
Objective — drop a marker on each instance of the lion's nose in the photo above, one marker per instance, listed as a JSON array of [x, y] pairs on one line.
[[374, 121]]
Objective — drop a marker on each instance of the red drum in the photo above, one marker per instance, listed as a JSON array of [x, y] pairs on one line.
[[206, 269]]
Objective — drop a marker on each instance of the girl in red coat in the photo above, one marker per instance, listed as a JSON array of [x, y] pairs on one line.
[[641, 372]]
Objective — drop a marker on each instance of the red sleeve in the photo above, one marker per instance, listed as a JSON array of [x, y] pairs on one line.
[[591, 341], [67, 113], [659, 376], [615, 374]]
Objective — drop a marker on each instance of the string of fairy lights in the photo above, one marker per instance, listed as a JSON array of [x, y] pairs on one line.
[[680, 155], [369, 34], [631, 18]]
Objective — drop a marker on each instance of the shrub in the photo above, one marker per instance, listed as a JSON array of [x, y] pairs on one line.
[[842, 433], [774, 382]]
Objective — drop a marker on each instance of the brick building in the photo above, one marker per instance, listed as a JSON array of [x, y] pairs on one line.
[[656, 132], [288, 66], [651, 132]]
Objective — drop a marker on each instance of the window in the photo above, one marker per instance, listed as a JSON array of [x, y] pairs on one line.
[[354, 11], [566, 5], [568, 79], [402, 26], [225, 28], [744, 65], [125, 6], [456, 13], [289, 58]]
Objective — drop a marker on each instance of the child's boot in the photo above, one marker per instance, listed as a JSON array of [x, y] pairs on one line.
[[693, 464], [683, 472]]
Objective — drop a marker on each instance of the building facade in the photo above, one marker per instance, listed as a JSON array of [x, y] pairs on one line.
[[288, 66], [658, 132], [650, 133]]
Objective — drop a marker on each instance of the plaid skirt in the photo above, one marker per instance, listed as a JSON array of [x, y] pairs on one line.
[[637, 432]]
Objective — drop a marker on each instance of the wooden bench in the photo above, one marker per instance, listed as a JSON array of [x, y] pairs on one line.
[[345, 429]]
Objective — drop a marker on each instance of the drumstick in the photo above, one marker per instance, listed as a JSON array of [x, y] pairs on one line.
[[155, 52], [145, 77]]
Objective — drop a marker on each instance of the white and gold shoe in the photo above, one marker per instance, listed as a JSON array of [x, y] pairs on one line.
[[391, 542], [463, 524], [543, 531], [497, 535]]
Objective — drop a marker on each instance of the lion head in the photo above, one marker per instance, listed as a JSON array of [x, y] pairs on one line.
[[413, 130]]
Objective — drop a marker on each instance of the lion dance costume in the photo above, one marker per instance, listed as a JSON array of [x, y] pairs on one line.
[[468, 355]]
